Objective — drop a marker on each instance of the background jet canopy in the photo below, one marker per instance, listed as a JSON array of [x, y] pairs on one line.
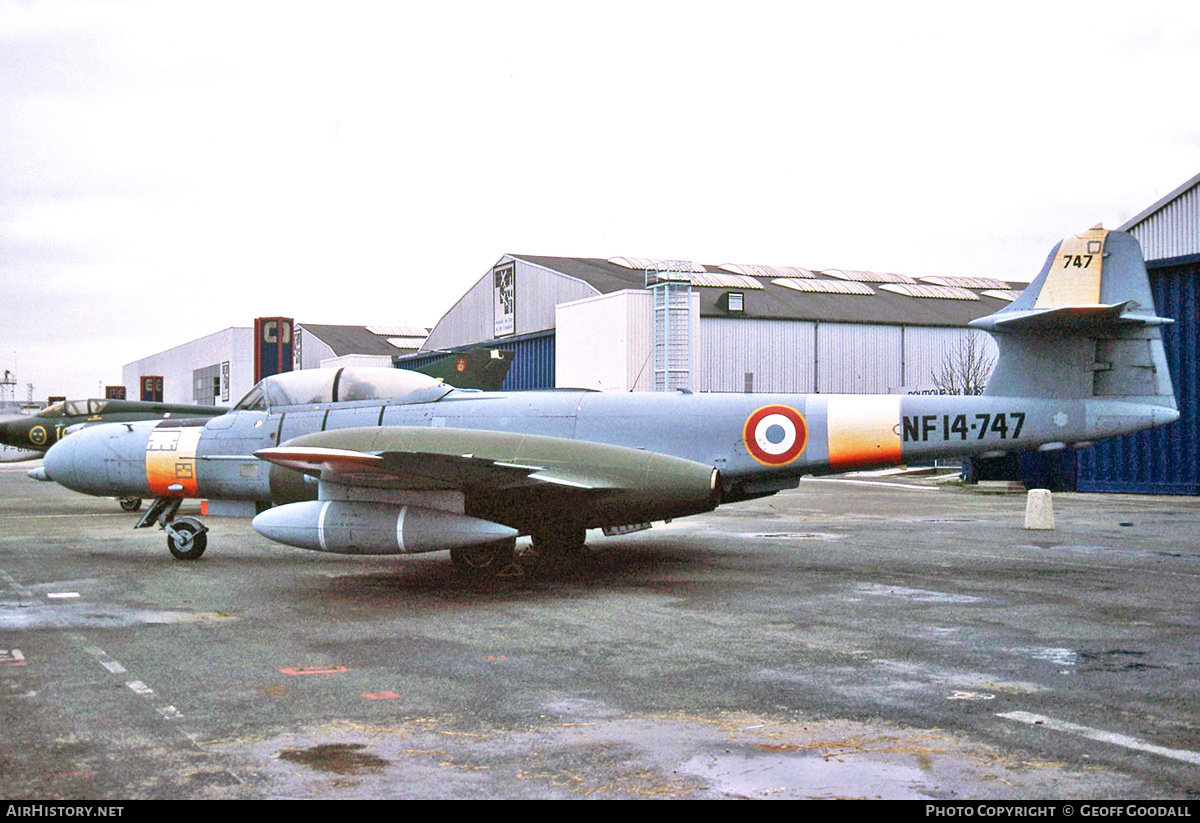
[[73, 408]]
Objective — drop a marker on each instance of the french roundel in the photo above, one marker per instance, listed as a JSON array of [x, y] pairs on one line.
[[775, 435]]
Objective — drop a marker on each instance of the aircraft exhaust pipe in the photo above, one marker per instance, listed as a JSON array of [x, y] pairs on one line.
[[345, 527]]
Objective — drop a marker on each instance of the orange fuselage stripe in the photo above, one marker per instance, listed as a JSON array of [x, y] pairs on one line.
[[171, 461], [863, 430]]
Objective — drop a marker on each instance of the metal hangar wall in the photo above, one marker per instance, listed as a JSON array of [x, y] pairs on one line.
[[1163, 460]]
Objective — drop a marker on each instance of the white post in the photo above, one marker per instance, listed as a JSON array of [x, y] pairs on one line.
[[1039, 510]]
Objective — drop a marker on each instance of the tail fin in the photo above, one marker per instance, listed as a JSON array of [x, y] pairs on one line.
[[1085, 327]]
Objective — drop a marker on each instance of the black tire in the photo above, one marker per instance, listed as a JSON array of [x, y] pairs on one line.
[[187, 539], [130, 504], [484, 560]]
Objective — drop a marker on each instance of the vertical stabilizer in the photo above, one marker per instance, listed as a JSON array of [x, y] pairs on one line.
[[1084, 328]]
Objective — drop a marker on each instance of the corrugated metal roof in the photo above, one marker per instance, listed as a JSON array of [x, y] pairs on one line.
[[966, 282], [766, 271], [357, 339], [645, 264], [930, 292], [1147, 212], [825, 286], [777, 301], [868, 276], [1171, 227]]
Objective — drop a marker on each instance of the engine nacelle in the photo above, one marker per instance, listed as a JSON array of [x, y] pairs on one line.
[[348, 527]]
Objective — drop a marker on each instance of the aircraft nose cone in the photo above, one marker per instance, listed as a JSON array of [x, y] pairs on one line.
[[59, 463], [106, 460]]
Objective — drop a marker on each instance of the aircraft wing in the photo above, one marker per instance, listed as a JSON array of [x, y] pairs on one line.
[[508, 483], [434, 458], [424, 469]]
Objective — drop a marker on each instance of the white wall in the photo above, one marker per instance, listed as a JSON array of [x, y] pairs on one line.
[[381, 361], [313, 352], [778, 353], [600, 341], [232, 345], [605, 342]]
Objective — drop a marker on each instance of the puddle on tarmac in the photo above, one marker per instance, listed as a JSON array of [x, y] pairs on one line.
[[918, 595], [14, 617], [799, 535], [780, 776]]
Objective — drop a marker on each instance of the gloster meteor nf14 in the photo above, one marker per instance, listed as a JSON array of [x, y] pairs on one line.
[[384, 461]]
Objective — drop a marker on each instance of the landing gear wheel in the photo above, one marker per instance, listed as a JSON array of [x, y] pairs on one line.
[[130, 504], [187, 538], [485, 560]]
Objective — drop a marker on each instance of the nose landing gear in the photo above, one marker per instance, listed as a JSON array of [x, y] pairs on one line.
[[187, 537]]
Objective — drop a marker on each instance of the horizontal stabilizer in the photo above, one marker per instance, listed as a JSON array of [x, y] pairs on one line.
[[1070, 319]]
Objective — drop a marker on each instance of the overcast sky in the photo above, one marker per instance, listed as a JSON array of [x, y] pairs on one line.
[[170, 169]]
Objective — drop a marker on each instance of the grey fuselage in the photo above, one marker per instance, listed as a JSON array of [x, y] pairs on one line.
[[759, 443]]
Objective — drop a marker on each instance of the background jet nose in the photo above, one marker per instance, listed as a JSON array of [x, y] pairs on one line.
[[6, 433]]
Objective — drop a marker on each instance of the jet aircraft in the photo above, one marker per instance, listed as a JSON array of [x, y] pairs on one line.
[[387, 461], [38, 432], [474, 369], [30, 436]]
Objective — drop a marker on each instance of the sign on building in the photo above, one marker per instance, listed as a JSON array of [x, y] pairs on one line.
[[504, 291], [272, 346]]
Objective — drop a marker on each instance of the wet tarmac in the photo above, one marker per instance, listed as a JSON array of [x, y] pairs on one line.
[[885, 637]]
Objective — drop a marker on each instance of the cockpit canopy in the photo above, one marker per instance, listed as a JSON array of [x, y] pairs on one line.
[[344, 385], [73, 408]]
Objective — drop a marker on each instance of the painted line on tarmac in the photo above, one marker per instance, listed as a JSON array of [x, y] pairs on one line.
[[166, 712], [22, 592], [869, 483], [138, 687], [1102, 736], [51, 516]]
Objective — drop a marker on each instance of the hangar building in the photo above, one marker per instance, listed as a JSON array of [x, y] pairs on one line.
[[218, 368], [631, 324], [1164, 460]]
